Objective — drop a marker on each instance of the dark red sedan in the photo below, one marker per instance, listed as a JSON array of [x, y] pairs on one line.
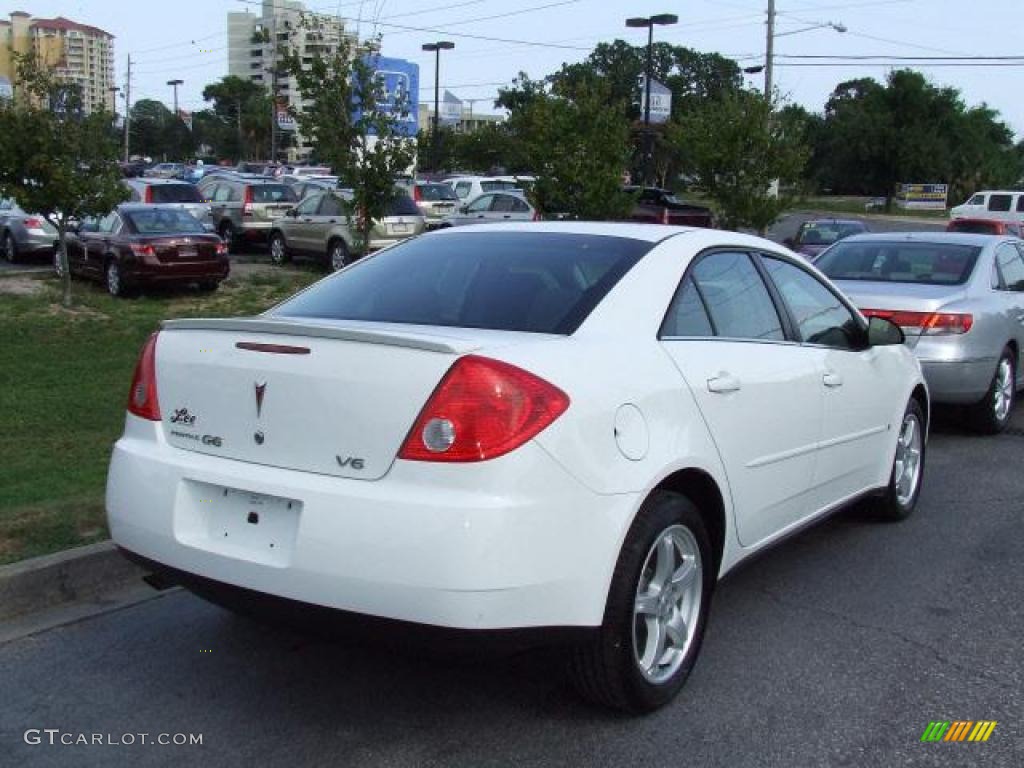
[[139, 245]]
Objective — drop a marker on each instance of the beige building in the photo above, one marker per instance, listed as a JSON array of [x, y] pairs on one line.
[[77, 53], [253, 42]]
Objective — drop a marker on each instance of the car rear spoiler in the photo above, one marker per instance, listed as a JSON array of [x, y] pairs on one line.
[[259, 325]]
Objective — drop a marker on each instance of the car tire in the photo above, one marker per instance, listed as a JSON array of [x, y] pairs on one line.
[[208, 286], [10, 248], [991, 414], [338, 255], [227, 234], [628, 664], [278, 250], [113, 279], [899, 498]]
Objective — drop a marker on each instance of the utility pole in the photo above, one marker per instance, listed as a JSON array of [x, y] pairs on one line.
[[273, 112], [174, 84], [127, 108], [436, 48], [769, 48]]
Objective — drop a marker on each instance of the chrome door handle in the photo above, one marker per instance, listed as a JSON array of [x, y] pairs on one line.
[[832, 380], [723, 384]]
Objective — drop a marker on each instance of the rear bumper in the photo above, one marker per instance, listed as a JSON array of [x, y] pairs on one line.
[[511, 543], [177, 273], [958, 381], [41, 243]]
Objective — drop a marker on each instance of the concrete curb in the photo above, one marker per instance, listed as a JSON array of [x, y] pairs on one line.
[[84, 573]]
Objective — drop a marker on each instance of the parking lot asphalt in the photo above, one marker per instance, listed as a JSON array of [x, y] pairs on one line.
[[836, 648]]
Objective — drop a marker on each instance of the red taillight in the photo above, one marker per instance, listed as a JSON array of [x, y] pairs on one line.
[[143, 249], [142, 400], [482, 409], [417, 195], [930, 323], [222, 248], [33, 223], [148, 197], [247, 203]]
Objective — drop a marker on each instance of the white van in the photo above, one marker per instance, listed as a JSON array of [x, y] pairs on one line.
[[999, 205]]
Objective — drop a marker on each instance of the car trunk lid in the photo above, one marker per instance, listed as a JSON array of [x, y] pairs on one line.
[[901, 297], [330, 397]]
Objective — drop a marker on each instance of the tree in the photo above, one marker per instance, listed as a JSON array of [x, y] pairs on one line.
[[158, 132], [55, 160], [737, 147], [349, 122], [577, 144], [240, 126]]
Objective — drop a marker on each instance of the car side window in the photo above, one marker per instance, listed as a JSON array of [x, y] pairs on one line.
[[1020, 203], [687, 315], [309, 206], [520, 206], [999, 203], [737, 299], [503, 203], [462, 188], [481, 204], [820, 316], [222, 194], [977, 200], [1010, 264], [331, 206], [110, 224]]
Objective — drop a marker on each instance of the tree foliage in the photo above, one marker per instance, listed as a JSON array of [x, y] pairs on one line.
[[737, 147], [576, 142], [57, 162], [348, 123], [876, 135], [238, 124], [157, 132]]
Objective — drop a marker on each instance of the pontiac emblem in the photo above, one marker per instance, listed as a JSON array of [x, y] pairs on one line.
[[260, 391]]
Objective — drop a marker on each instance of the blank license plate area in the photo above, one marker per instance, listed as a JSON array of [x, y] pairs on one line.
[[238, 523], [187, 253], [399, 229]]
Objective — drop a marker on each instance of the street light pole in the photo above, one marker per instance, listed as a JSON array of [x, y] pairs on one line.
[[174, 84], [436, 48], [661, 19], [769, 51]]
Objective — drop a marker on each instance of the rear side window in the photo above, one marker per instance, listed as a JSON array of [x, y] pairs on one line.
[[401, 205], [462, 188], [999, 202], [537, 282], [1020, 203], [272, 193], [1011, 268], [175, 193], [737, 300], [687, 315]]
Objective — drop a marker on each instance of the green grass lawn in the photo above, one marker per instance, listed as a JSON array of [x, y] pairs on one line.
[[64, 378]]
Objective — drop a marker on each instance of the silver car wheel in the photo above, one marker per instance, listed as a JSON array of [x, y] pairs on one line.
[[339, 256], [10, 248], [667, 604], [1002, 399], [113, 279], [277, 250], [907, 468]]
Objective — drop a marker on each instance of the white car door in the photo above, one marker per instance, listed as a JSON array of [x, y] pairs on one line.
[[759, 392], [859, 385]]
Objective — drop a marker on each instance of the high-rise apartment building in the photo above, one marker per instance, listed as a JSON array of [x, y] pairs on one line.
[[77, 53], [254, 41]]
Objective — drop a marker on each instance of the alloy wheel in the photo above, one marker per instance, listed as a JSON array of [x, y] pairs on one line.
[[1002, 398], [113, 279], [10, 248], [667, 604], [339, 256], [907, 469]]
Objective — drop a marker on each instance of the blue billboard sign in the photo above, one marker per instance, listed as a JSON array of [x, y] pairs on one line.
[[401, 82]]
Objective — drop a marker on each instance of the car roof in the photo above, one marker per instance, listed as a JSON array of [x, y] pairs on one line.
[[958, 238], [651, 233], [836, 221], [155, 181]]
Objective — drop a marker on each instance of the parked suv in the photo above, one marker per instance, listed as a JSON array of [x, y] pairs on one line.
[[436, 200], [323, 225], [170, 194], [244, 207]]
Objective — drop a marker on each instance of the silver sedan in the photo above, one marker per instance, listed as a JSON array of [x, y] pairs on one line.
[[960, 301], [491, 207]]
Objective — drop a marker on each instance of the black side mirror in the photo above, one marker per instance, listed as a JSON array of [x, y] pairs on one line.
[[884, 333], [291, 213]]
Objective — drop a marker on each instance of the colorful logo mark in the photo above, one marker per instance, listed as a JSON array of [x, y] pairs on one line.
[[958, 730]]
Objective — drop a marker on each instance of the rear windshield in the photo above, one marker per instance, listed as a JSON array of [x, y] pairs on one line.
[[401, 205], [896, 262], [273, 193], [433, 192], [161, 221], [826, 233], [174, 193], [539, 282], [497, 185]]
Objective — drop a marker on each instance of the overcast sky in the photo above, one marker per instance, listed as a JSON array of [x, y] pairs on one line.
[[187, 39]]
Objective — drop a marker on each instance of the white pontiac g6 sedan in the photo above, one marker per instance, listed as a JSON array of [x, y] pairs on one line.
[[520, 427]]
